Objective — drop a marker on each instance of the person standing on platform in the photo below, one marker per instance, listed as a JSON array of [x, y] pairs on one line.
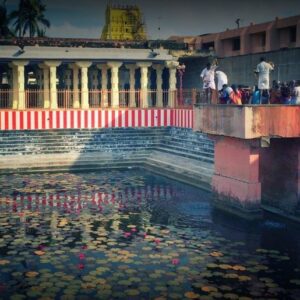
[[221, 79], [209, 85], [263, 70]]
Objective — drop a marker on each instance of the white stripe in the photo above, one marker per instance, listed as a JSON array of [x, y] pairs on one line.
[[25, 119], [123, 118], [143, 118], [74, 112], [149, 117], [136, 118], [115, 117], [89, 125], [109, 118], [40, 120], [130, 118], [18, 120], [162, 118], [2, 125], [168, 117], [61, 120], [96, 118], [102, 119], [82, 119], [47, 119], [32, 120], [155, 118]]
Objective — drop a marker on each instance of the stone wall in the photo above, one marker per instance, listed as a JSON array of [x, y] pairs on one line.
[[240, 68]]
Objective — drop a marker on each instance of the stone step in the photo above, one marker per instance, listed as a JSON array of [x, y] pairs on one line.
[[184, 154], [186, 144], [201, 151]]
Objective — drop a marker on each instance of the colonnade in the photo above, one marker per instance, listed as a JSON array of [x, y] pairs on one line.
[[46, 79]]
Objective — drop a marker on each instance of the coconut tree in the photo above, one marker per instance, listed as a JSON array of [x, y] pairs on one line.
[[30, 18], [5, 31]]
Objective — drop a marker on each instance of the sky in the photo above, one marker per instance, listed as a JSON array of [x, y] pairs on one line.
[[86, 18]]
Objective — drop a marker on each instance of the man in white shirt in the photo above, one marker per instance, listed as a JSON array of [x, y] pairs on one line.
[[208, 77], [222, 79], [263, 70]]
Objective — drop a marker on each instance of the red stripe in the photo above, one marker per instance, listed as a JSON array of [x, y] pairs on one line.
[[126, 118], [21, 120], [50, 119], [159, 117], [14, 120], [139, 118], [165, 117], [152, 117], [113, 118], [93, 112], [6, 120], [106, 119], [79, 118], [36, 120], [72, 119], [43, 119], [99, 118], [86, 119], [57, 119], [146, 118], [133, 118], [28, 120], [120, 118], [65, 116]]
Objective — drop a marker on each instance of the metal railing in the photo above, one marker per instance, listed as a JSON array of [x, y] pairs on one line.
[[97, 99]]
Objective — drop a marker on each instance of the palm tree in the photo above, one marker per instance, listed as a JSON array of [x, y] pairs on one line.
[[29, 17], [4, 22]]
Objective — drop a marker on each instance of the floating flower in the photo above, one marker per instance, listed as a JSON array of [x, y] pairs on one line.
[[175, 261], [157, 241], [81, 256], [127, 234]]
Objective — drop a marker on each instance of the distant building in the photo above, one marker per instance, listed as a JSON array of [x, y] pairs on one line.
[[123, 23], [256, 38]]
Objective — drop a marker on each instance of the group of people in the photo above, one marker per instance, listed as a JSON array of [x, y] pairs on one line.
[[280, 93]]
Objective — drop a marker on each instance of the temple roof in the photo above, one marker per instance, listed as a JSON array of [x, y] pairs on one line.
[[91, 54]]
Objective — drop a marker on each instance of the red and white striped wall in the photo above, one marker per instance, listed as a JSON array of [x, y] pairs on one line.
[[93, 119]]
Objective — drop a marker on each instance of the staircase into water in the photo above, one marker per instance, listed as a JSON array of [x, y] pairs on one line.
[[175, 152]]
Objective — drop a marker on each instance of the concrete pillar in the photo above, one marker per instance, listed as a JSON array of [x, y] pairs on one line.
[[19, 84], [46, 85], [114, 66], [53, 78], [104, 96], [159, 83], [131, 69], [236, 183], [172, 66], [75, 69], [84, 65], [144, 83]]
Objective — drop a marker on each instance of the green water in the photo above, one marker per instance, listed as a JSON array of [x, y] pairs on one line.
[[134, 235]]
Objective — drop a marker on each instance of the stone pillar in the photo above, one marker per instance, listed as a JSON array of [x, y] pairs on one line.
[[53, 77], [19, 84], [131, 69], [75, 69], [236, 184], [159, 83], [172, 66], [144, 83], [114, 66], [84, 65], [46, 85], [104, 98]]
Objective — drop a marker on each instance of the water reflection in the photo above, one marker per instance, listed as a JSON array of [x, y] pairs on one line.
[[134, 235]]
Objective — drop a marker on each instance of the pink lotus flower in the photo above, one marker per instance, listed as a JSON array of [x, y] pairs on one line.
[[133, 229], [80, 266], [175, 261], [81, 256], [156, 241], [84, 247], [126, 234]]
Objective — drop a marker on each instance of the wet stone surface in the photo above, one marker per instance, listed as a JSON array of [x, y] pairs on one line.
[[134, 235]]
